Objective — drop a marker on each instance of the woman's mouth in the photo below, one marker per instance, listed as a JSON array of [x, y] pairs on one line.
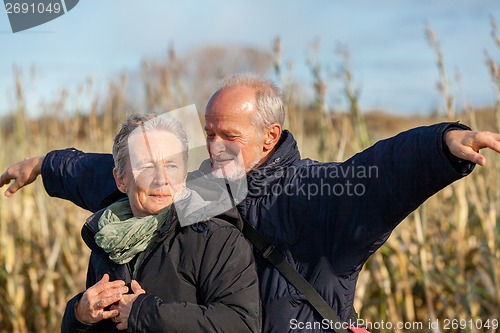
[[160, 196]]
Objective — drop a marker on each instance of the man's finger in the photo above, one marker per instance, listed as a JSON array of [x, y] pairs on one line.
[[24, 173], [480, 140], [480, 159], [475, 157], [5, 178], [492, 141], [12, 189]]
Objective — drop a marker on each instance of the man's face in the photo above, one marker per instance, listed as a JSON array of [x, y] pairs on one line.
[[156, 172], [233, 143]]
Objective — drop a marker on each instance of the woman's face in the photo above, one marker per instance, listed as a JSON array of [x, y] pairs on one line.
[[156, 172]]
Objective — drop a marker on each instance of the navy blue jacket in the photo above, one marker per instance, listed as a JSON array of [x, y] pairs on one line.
[[326, 218]]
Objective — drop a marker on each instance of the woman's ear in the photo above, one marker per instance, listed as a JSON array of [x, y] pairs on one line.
[[120, 181]]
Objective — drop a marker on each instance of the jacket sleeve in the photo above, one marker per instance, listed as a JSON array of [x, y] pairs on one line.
[[228, 293], [82, 178], [367, 196], [70, 324]]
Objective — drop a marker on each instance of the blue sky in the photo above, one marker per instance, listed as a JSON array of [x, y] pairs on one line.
[[392, 63]]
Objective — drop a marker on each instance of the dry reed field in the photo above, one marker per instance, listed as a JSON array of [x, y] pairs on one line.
[[442, 263]]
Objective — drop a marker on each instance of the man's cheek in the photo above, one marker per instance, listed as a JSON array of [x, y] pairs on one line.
[[234, 148]]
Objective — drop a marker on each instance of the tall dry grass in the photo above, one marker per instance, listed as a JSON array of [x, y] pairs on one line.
[[442, 262]]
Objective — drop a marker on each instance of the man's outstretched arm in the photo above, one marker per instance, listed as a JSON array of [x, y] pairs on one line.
[[407, 170], [86, 179]]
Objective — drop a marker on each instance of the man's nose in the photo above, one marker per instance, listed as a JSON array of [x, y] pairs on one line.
[[216, 146]]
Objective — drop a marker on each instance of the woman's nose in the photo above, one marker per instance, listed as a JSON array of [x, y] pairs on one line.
[[160, 175]]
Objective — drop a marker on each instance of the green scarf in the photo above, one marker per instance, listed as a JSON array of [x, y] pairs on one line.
[[122, 236]]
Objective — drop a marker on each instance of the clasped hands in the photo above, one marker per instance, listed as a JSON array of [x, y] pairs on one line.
[[92, 307]]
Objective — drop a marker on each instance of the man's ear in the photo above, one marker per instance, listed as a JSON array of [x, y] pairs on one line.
[[120, 181], [272, 136]]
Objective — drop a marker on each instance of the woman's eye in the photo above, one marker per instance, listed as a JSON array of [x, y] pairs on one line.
[[146, 167]]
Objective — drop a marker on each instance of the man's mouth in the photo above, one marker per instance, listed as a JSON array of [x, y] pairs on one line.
[[221, 163]]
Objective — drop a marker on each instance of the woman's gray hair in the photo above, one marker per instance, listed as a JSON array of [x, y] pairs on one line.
[[150, 122], [270, 108]]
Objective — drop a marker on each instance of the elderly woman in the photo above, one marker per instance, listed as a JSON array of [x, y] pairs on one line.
[[184, 276]]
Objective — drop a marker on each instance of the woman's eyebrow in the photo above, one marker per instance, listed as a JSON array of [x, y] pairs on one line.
[[140, 163], [163, 158]]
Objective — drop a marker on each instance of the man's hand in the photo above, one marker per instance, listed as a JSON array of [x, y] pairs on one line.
[[90, 308], [466, 144], [124, 306], [23, 173]]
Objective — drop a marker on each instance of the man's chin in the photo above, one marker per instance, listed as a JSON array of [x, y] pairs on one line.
[[228, 173]]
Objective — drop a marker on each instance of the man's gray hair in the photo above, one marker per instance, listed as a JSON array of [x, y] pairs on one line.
[[270, 108], [150, 122]]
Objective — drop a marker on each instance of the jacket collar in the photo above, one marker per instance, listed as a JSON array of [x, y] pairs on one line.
[[90, 228], [262, 178]]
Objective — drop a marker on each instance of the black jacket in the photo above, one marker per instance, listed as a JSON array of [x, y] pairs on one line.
[[197, 278], [326, 218]]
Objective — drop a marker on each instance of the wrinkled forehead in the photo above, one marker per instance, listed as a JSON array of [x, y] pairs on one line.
[[154, 145], [229, 119]]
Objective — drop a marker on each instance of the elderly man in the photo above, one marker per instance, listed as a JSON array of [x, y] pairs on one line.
[[326, 218]]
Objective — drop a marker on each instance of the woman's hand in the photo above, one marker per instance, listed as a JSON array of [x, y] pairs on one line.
[[124, 306], [90, 308]]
